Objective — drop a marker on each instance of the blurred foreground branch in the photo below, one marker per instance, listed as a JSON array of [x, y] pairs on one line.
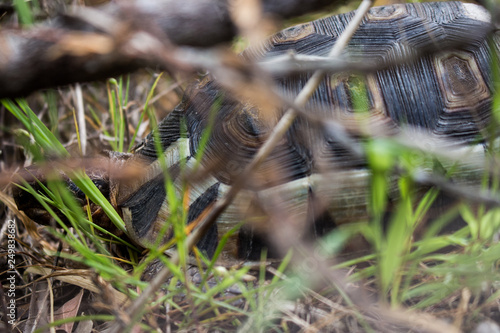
[[93, 44]]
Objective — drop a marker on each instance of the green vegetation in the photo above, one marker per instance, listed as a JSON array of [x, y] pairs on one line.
[[412, 264], [419, 272]]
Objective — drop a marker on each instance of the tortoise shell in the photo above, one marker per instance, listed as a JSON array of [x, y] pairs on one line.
[[445, 93]]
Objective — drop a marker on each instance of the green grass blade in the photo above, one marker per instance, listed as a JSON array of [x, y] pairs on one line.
[[24, 12]]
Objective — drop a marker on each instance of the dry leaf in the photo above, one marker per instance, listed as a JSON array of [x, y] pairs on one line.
[[68, 310], [78, 277]]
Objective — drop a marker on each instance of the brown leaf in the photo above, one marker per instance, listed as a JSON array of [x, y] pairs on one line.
[[78, 277], [68, 310], [84, 326]]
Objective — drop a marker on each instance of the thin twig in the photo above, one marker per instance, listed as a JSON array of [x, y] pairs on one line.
[[468, 193], [290, 63], [276, 135]]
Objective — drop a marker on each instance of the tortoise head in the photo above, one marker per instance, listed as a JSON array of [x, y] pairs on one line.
[[132, 183]]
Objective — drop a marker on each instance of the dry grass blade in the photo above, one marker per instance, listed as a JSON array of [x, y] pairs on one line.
[[80, 111], [462, 308], [418, 321], [28, 223]]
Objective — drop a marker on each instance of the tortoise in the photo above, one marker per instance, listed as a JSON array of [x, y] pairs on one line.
[[447, 94]]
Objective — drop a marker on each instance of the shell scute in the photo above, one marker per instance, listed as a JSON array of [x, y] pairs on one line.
[[387, 13], [313, 44], [461, 80], [293, 34]]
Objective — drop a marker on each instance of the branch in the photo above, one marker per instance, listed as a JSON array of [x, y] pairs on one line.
[[94, 44]]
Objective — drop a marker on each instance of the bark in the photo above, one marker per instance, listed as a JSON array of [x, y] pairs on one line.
[[94, 44]]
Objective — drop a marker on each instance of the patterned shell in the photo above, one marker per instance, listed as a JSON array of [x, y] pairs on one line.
[[446, 93]]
